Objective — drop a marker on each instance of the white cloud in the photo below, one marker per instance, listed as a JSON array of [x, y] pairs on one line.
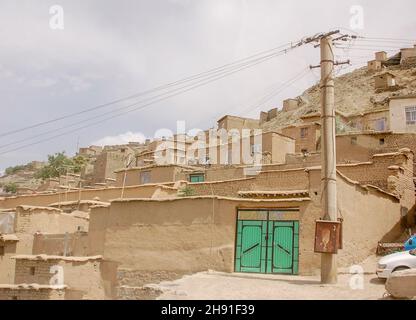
[[122, 138]]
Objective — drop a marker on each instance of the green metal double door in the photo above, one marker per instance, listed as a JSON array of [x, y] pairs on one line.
[[267, 246]]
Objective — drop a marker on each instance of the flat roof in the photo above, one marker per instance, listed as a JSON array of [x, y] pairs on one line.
[[210, 197], [32, 286], [385, 73], [8, 238], [303, 193], [409, 96], [152, 166], [236, 117], [45, 257]]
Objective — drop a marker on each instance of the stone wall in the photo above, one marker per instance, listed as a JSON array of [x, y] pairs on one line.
[[28, 292]]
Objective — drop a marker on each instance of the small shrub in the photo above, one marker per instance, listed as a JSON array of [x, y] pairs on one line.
[[186, 192], [10, 187]]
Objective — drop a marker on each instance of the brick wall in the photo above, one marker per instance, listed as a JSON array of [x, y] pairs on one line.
[[223, 188], [308, 142], [265, 181], [392, 172], [365, 146]]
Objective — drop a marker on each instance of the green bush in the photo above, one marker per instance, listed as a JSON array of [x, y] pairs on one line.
[[15, 169], [59, 164], [10, 187], [186, 192]]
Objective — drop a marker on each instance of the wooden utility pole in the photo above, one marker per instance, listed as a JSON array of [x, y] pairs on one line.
[[328, 148], [328, 153], [128, 163]]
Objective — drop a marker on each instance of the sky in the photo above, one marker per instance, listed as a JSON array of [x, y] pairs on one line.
[[108, 50]]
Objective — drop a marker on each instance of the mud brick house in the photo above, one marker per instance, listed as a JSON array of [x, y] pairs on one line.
[[153, 174], [8, 249], [403, 114], [175, 239], [377, 64], [306, 135], [384, 81], [229, 122], [85, 276], [290, 105], [372, 120], [374, 65]]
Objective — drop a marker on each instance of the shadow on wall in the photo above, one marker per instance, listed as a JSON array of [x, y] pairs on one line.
[[396, 232], [411, 217]]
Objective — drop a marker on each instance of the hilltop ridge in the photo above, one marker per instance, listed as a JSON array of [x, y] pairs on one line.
[[354, 94]]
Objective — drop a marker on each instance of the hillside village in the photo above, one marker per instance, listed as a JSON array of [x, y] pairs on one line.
[[142, 213]]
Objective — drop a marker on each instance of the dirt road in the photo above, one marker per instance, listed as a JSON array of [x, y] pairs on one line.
[[213, 285]]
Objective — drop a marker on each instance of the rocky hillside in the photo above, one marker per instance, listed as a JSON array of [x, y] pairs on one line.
[[354, 93], [21, 176]]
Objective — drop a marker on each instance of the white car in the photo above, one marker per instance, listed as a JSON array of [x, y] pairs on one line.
[[396, 262]]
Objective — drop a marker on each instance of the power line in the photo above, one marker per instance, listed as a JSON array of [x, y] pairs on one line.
[[278, 90], [174, 91], [186, 89], [162, 87], [274, 91], [219, 73]]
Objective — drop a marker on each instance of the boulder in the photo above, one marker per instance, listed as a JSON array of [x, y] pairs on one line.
[[402, 284]]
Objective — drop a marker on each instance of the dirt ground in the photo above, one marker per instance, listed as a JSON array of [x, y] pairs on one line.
[[236, 286]]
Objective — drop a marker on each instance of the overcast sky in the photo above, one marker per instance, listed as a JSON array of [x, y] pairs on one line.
[[113, 49]]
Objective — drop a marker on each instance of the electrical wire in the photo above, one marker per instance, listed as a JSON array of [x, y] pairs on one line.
[[186, 89], [277, 91], [162, 87], [201, 82]]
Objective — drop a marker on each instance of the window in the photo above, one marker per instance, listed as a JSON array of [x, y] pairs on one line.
[[32, 271], [304, 151], [230, 156], [380, 124], [255, 148], [411, 115], [1, 251], [145, 177], [303, 132], [195, 178], [382, 141], [354, 141]]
